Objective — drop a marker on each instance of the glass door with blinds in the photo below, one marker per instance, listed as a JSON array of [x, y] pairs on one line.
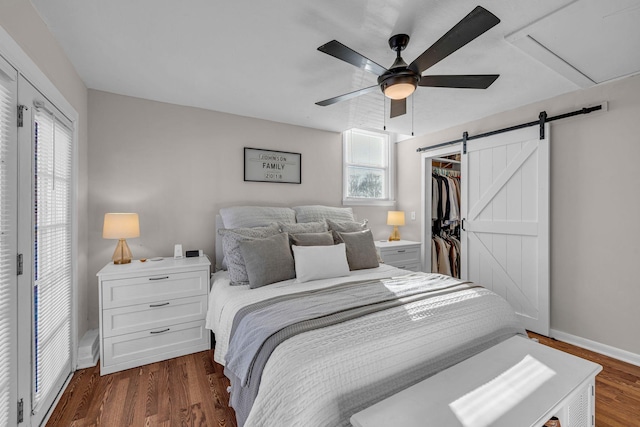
[[8, 244], [45, 242]]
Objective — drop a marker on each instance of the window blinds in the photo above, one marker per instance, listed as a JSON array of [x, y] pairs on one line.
[[52, 282], [8, 210]]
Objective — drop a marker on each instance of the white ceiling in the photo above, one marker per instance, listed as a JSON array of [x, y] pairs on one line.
[[259, 58]]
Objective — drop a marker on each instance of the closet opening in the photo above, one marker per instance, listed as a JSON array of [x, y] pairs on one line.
[[445, 215], [442, 211]]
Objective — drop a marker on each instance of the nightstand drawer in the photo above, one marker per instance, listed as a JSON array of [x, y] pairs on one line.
[[149, 346], [155, 315], [411, 266], [153, 288], [392, 256]]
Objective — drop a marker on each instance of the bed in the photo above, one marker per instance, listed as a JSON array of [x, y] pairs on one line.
[[316, 352]]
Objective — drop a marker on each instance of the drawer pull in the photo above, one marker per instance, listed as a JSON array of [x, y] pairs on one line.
[[159, 332], [159, 305], [400, 251], [402, 266], [158, 278]]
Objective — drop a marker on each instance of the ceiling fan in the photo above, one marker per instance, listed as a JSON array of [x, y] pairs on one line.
[[401, 80]]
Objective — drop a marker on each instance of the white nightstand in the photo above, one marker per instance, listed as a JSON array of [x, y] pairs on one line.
[[152, 311], [403, 254]]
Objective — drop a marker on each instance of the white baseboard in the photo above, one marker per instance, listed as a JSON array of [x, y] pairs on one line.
[[88, 350], [607, 350]]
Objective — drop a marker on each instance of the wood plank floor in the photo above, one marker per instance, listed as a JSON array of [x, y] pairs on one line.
[[191, 391], [617, 386], [186, 391]]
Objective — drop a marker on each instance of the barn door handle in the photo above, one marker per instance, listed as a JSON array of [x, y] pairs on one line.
[[462, 226]]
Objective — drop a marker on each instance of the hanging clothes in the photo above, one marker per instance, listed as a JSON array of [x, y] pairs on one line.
[[445, 203]]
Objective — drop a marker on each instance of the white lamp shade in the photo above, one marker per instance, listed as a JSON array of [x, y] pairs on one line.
[[395, 218], [121, 226]]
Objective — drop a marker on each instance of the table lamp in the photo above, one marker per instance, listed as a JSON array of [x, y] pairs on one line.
[[395, 218], [121, 226]]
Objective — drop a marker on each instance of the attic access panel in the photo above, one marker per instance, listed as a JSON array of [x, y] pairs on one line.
[[587, 41]]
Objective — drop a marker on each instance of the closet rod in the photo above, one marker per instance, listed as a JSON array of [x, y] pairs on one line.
[[543, 119], [445, 160]]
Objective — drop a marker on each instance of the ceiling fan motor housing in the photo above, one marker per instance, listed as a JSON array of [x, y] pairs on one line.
[[399, 73]]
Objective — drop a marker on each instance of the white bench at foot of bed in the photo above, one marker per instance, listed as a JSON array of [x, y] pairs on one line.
[[515, 383]]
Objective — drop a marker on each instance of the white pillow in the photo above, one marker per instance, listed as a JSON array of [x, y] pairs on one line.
[[320, 262]]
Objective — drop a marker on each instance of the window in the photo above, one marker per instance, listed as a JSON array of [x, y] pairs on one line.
[[367, 175]]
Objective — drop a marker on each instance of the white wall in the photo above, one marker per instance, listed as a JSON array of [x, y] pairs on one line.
[[595, 204], [177, 166], [20, 20]]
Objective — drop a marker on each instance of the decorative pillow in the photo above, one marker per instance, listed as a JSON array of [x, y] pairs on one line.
[[320, 262], [255, 216], [268, 260], [312, 239], [306, 227], [318, 213], [347, 226], [361, 251], [231, 239]]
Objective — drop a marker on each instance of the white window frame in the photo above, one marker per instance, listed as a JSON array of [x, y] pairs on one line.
[[389, 171]]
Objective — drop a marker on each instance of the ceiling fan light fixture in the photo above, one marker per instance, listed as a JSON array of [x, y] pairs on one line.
[[399, 90], [399, 84]]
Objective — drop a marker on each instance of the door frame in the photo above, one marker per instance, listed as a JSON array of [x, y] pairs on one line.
[[427, 195]]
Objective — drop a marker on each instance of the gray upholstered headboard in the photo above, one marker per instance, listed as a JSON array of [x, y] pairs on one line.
[[218, 238]]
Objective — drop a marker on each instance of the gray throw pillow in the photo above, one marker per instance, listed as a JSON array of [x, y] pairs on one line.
[[312, 239], [361, 250], [255, 216], [307, 227], [268, 260], [231, 248]]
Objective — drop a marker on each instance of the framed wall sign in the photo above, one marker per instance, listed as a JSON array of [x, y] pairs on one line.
[[272, 166]]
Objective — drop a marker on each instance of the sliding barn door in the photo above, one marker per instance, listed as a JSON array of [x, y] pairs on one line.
[[505, 242]]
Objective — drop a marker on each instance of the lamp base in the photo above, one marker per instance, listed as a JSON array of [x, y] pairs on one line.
[[395, 236], [122, 254]]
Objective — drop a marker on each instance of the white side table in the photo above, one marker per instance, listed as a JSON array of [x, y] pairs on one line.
[[152, 311]]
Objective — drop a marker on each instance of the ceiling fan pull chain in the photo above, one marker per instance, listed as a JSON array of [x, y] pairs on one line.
[[384, 113], [413, 111]]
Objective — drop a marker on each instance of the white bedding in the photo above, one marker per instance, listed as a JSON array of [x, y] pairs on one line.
[[321, 377]]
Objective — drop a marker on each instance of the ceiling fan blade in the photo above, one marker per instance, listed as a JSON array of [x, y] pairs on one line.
[[342, 52], [469, 81], [470, 27], [398, 107], [348, 96]]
